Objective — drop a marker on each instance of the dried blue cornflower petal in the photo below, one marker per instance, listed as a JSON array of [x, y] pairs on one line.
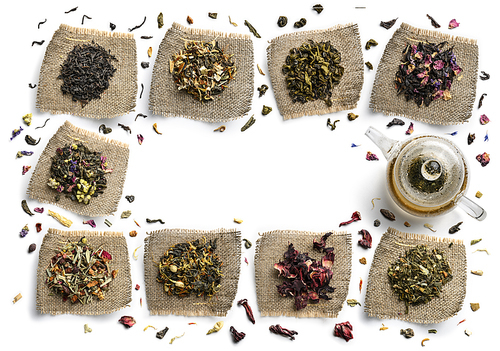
[[453, 133], [16, 132], [486, 138], [354, 145]]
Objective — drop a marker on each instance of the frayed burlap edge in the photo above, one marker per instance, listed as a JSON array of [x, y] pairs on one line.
[[39, 190], [270, 303], [221, 303], [161, 92], [317, 107], [378, 88], [117, 298], [123, 93], [383, 303]]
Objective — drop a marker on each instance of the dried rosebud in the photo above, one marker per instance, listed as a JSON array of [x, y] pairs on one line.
[[366, 240], [483, 119], [371, 156], [453, 24], [32, 248], [483, 159], [137, 286], [127, 321], [343, 330]]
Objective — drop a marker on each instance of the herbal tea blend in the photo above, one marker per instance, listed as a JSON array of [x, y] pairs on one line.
[[79, 273], [416, 278], [419, 275], [78, 172], [191, 268]]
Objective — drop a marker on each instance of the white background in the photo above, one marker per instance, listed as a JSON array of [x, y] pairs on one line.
[[295, 174]]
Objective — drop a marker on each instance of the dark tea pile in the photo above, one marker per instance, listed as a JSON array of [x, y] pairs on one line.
[[312, 71], [202, 69], [77, 272], [78, 172], [191, 268], [419, 275], [86, 72], [426, 73], [305, 278]]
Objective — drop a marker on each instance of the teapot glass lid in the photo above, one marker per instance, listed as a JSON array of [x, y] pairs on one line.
[[430, 171]]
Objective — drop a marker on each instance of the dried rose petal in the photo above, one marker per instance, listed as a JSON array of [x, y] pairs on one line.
[[371, 156], [137, 286], [366, 241], [90, 222], [106, 255], [453, 24], [38, 227], [410, 129], [483, 159], [140, 138], [344, 330], [26, 169], [38, 209], [484, 120], [127, 321]]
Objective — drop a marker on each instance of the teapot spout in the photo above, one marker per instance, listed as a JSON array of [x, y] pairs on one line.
[[385, 144], [473, 209]]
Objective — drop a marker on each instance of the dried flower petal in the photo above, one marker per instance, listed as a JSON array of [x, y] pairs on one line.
[[38, 227], [371, 156], [140, 138], [453, 24], [217, 326], [484, 119], [90, 222], [483, 159], [16, 132], [478, 272], [343, 330], [356, 216], [366, 240], [127, 321], [474, 306], [26, 169], [410, 130]]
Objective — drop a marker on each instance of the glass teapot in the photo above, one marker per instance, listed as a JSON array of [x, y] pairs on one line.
[[427, 175]]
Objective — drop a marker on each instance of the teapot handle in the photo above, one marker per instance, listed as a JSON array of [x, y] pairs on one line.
[[472, 209]]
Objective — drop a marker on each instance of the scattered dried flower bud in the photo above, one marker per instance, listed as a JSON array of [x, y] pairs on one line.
[[376, 223], [351, 116], [32, 248], [483, 159], [371, 156], [474, 306], [362, 260], [479, 194], [127, 321], [483, 119], [87, 329], [453, 24], [133, 233], [137, 286]]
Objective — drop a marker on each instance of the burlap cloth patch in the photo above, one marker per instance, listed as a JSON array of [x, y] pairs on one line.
[[228, 249], [384, 96], [269, 250], [117, 157], [345, 96], [117, 100], [382, 302], [166, 100], [120, 291]]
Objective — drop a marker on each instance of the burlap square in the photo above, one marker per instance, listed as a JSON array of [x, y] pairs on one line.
[[166, 100], [457, 110], [345, 96], [228, 249], [117, 157], [120, 291], [117, 100], [382, 302], [270, 249]]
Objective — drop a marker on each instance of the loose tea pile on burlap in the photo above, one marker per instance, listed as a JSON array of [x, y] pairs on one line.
[[457, 110], [269, 250], [118, 99], [234, 102], [382, 302], [345, 96], [120, 291], [117, 154], [228, 249]]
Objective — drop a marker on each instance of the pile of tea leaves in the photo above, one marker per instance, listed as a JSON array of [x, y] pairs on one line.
[[202, 69], [419, 275], [305, 278], [86, 72], [312, 71], [426, 73], [191, 268], [78, 172], [79, 272]]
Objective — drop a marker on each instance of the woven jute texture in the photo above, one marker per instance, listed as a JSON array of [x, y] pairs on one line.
[[345, 96], [269, 250], [457, 110], [119, 99], [382, 302], [120, 289], [228, 249], [166, 100], [117, 154]]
